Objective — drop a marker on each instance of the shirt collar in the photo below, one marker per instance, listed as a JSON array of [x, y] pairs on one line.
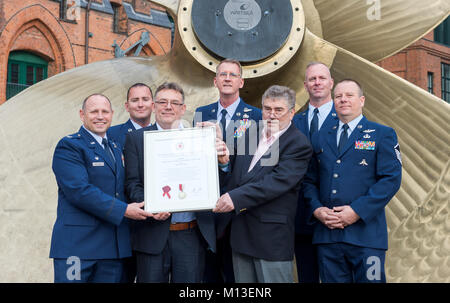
[[160, 128], [96, 137], [137, 126], [352, 124], [277, 134], [324, 109], [231, 109]]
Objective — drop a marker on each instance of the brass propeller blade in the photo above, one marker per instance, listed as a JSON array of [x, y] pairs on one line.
[[357, 27]]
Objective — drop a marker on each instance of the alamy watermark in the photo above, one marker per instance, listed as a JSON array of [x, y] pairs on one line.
[[374, 11], [73, 273]]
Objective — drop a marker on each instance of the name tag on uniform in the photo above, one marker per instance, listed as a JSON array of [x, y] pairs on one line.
[[98, 163], [365, 145]]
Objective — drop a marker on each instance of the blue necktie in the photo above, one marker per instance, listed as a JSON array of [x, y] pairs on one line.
[[223, 122], [314, 123], [344, 138], [108, 150]]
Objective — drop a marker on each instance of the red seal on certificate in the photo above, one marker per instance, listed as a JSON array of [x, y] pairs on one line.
[[181, 194], [166, 190]]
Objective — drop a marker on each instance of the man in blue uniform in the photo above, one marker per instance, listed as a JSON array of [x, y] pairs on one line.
[[235, 117], [319, 115], [91, 236], [139, 106], [355, 172]]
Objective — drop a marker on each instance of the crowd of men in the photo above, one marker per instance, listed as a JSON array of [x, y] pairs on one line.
[[314, 186]]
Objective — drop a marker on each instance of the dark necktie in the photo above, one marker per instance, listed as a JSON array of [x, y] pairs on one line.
[[314, 123], [223, 122], [344, 138], [108, 150]]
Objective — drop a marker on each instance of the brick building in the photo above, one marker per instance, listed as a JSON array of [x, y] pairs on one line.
[[41, 38], [426, 63]]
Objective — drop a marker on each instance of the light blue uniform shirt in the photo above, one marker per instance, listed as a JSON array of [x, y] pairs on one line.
[[351, 126], [324, 111], [230, 110]]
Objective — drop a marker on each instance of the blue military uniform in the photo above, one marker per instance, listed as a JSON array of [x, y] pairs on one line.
[[119, 132], [366, 174], [241, 120], [305, 251], [90, 221]]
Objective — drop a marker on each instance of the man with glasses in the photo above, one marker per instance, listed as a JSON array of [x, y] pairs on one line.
[[169, 247], [262, 193], [234, 117]]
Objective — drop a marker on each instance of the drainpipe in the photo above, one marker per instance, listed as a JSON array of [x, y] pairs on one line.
[[86, 34]]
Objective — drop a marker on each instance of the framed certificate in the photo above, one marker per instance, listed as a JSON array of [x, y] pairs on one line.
[[180, 170]]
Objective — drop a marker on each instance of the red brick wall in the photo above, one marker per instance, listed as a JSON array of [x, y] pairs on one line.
[[416, 61], [34, 26]]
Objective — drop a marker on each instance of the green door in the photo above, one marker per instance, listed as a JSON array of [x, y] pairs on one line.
[[24, 70]]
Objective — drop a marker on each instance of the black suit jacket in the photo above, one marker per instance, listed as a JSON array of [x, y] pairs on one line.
[[150, 236], [265, 199]]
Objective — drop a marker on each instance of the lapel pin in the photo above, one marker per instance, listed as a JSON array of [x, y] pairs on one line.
[[360, 126], [130, 130], [96, 158], [213, 111], [333, 114], [238, 114], [92, 142], [334, 127], [363, 162]]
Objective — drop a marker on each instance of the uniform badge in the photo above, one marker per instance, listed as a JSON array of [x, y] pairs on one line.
[[238, 114], [98, 163], [247, 110], [96, 158], [368, 131], [244, 125], [333, 114], [366, 136], [213, 111], [365, 145], [245, 116], [363, 162], [397, 152], [123, 160]]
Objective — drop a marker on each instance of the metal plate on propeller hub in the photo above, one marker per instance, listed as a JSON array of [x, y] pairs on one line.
[[246, 30]]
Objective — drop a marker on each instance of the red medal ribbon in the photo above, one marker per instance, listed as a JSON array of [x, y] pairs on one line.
[[166, 190]]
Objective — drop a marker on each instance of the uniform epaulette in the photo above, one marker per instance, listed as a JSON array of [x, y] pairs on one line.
[[73, 136]]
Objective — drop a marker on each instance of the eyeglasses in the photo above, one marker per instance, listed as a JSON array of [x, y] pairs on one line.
[[231, 75], [277, 111], [164, 103]]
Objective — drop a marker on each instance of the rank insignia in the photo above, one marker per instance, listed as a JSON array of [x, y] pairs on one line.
[[130, 130], [244, 125], [365, 145]]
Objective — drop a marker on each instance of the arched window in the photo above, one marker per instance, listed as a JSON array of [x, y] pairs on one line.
[[24, 70]]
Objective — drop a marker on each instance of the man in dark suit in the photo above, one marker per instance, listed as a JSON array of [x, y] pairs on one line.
[[91, 236], [319, 115], [235, 117], [139, 106], [169, 247], [263, 191], [355, 172]]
